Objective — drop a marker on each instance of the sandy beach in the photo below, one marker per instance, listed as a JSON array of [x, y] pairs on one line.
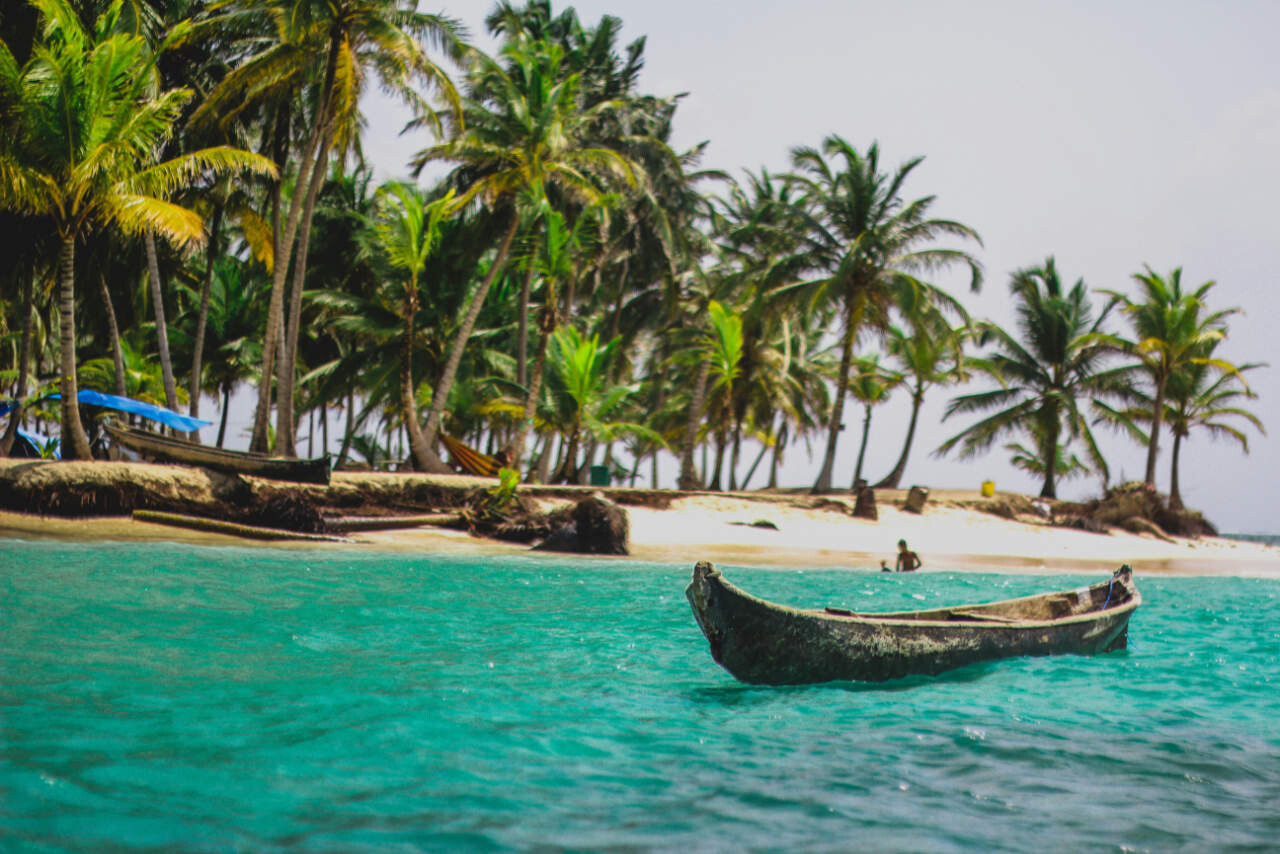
[[953, 532]]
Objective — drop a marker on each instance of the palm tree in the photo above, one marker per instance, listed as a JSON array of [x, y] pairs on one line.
[[870, 387], [523, 131], [1171, 333], [83, 119], [722, 352], [931, 353], [1206, 396], [583, 398], [1059, 363], [1200, 394], [866, 237], [331, 45], [558, 256], [406, 231], [234, 313]]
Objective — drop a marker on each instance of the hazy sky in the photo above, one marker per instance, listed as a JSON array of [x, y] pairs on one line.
[[1109, 134]]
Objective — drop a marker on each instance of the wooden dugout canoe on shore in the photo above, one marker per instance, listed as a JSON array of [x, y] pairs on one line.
[[764, 643], [167, 449]]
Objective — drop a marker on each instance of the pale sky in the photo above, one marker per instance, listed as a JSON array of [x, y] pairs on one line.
[[1108, 134]]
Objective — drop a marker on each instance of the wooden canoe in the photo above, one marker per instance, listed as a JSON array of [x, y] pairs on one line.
[[763, 643], [168, 449]]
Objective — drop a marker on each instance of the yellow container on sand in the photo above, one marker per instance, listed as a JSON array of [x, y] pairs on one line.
[[988, 488]]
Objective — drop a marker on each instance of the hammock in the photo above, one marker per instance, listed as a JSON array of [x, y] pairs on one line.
[[470, 460]]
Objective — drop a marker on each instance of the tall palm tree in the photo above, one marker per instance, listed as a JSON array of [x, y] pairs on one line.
[[329, 47], [1171, 329], [83, 118], [523, 132], [406, 231], [865, 237], [1045, 378]]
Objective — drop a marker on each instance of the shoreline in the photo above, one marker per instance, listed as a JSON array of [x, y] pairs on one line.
[[958, 530]]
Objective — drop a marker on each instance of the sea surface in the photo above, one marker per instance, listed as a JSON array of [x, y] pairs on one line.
[[165, 697]]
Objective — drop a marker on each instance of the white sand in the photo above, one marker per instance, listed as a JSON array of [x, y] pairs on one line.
[[946, 537], [699, 527]]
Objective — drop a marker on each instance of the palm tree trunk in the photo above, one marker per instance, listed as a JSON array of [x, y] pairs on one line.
[[440, 394], [545, 460], [202, 322], [1050, 452], [516, 448], [408, 401], [688, 476], [75, 444], [113, 329], [721, 441], [24, 363], [616, 323], [783, 436], [282, 252], [734, 455], [862, 448], [764, 449], [226, 406], [286, 428], [823, 483], [522, 330], [162, 330], [1175, 496], [1157, 421], [350, 431], [894, 477]]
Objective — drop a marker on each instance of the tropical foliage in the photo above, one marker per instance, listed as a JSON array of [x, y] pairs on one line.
[[557, 285]]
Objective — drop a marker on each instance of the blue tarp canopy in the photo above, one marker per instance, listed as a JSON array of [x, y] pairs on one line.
[[167, 417]]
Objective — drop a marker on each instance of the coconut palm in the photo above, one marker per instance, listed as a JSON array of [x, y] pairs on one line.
[[329, 48], [582, 398], [406, 230], [83, 119], [866, 237], [931, 352], [523, 132], [1199, 395], [1172, 329], [1047, 377], [1205, 396]]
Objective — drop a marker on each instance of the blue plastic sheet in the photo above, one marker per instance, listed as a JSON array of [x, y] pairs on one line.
[[167, 417]]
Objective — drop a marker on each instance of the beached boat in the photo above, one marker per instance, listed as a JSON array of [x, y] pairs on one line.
[[764, 643], [168, 449]]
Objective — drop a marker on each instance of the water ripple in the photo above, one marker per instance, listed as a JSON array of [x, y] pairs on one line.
[[214, 699]]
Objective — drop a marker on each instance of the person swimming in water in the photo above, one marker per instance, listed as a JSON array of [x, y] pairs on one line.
[[908, 561]]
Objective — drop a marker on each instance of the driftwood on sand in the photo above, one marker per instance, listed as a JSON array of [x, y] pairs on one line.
[[217, 526]]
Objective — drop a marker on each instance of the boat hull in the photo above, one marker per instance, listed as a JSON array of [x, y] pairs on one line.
[[760, 642], [170, 450]]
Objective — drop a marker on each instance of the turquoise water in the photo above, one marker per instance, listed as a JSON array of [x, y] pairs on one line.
[[172, 697]]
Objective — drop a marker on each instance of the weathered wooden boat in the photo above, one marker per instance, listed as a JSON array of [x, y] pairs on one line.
[[168, 449], [768, 644]]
